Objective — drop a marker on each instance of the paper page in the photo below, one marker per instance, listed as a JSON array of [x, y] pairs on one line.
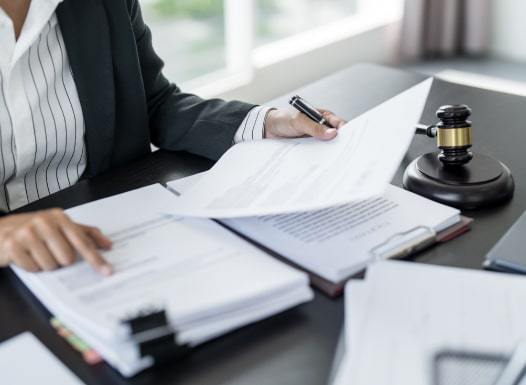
[[274, 176], [182, 185], [339, 241], [415, 310], [355, 297], [25, 351], [194, 268]]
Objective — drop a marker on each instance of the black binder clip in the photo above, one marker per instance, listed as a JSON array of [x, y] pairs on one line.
[[155, 337]]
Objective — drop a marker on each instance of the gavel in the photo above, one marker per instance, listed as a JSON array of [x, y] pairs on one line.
[[455, 175], [453, 133]]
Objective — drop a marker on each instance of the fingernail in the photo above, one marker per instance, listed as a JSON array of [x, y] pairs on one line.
[[330, 131], [105, 270]]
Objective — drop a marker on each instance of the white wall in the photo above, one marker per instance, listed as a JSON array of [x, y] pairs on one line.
[[509, 29]]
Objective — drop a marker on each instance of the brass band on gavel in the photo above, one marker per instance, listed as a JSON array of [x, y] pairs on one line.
[[454, 136]]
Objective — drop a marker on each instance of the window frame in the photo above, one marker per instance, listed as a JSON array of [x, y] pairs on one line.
[[367, 36]]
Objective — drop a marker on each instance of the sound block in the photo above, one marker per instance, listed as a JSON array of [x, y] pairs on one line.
[[484, 181]]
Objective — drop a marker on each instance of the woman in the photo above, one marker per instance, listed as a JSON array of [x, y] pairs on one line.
[[81, 91]]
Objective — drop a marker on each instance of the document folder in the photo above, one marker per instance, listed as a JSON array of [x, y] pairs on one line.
[[408, 244], [334, 244]]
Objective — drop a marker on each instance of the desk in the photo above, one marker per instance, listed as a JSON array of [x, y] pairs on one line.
[[297, 346]]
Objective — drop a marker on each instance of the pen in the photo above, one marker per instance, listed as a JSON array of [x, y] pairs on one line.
[[302, 106]]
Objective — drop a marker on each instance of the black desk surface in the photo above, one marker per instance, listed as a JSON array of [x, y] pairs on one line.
[[297, 346]]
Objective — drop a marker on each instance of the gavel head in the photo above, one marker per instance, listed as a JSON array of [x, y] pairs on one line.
[[454, 136]]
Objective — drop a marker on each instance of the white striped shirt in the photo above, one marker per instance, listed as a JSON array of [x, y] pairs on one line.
[[41, 123], [251, 127], [42, 148]]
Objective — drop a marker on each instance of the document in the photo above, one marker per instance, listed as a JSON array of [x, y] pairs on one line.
[[339, 241], [206, 279], [24, 360], [356, 298], [403, 314], [276, 176]]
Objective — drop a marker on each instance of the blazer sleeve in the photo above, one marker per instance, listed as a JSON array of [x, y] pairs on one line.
[[179, 120]]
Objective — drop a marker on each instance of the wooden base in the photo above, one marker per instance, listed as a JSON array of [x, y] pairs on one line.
[[484, 181]]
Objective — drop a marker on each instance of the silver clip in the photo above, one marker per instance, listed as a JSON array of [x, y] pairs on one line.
[[403, 244]]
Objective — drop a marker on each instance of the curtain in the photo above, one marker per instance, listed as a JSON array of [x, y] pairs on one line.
[[444, 28]]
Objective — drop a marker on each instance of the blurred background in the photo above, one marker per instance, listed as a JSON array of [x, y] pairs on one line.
[[256, 50]]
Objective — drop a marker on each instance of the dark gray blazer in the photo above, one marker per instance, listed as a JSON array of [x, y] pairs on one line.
[[126, 101]]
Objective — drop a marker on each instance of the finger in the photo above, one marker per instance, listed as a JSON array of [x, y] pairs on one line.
[[28, 239], [316, 130], [49, 231], [18, 255], [40, 253], [98, 237], [26, 262], [60, 248], [327, 133], [333, 119], [47, 244], [86, 247], [82, 243], [23, 244]]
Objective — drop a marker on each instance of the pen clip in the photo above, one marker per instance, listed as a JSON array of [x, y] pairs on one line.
[[401, 245]]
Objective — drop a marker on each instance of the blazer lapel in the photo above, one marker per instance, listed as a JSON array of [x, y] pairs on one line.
[[84, 27]]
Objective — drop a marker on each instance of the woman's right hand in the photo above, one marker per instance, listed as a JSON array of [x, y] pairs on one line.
[[45, 240]]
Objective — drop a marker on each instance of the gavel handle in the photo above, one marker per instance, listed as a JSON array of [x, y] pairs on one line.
[[429, 130]]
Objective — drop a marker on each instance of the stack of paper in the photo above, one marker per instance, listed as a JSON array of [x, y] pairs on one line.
[[334, 243], [404, 314], [207, 280]]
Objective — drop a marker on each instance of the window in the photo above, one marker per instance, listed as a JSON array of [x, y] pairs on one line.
[[188, 35], [226, 41], [279, 19]]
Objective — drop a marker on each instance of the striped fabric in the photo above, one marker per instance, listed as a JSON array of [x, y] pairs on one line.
[[41, 123], [251, 127]]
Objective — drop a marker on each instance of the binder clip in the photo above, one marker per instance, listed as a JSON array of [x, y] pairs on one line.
[[404, 244], [154, 337]]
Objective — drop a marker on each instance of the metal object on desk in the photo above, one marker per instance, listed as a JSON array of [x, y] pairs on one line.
[[467, 368], [454, 175], [514, 371]]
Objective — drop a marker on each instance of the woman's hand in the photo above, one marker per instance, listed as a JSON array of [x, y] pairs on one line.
[[45, 240], [286, 123]]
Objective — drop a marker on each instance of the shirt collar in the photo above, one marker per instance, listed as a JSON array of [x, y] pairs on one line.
[[40, 13]]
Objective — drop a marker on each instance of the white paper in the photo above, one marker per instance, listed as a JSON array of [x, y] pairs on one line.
[[339, 241], [274, 176], [24, 360], [415, 311], [356, 298], [207, 279]]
